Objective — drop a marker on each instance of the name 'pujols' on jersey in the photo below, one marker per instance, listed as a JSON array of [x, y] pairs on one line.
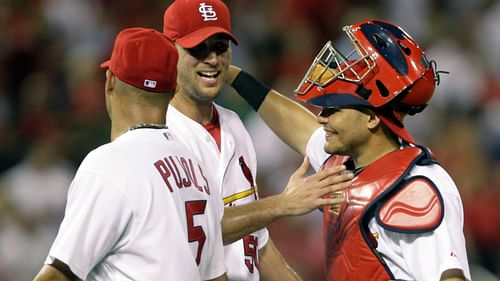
[[185, 176]]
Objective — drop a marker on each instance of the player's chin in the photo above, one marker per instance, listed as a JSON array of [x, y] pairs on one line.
[[211, 92], [330, 148]]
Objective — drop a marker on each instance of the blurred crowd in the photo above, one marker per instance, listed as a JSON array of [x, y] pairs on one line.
[[52, 110]]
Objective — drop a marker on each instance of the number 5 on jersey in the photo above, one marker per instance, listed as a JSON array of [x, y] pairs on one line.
[[250, 244], [196, 233]]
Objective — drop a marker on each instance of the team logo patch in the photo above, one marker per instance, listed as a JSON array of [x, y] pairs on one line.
[[207, 12], [150, 83]]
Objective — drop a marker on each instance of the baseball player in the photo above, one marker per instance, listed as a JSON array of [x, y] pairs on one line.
[[141, 207], [402, 218], [202, 33]]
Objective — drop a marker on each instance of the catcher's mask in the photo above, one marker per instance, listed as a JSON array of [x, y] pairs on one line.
[[386, 70]]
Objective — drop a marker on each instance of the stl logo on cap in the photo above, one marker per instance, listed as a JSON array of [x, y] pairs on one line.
[[190, 22], [207, 12]]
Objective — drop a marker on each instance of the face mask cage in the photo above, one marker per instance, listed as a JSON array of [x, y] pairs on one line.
[[331, 64]]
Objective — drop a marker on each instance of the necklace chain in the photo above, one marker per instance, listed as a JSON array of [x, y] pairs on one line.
[[147, 126]]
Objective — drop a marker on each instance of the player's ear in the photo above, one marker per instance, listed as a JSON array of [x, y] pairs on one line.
[[373, 120], [109, 86]]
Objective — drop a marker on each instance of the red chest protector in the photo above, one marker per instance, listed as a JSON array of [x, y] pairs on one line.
[[382, 191]]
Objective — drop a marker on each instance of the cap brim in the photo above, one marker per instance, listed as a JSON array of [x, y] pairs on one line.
[[194, 38], [105, 64], [339, 100], [336, 100]]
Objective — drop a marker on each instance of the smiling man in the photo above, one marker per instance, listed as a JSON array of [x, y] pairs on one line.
[[202, 33], [402, 217]]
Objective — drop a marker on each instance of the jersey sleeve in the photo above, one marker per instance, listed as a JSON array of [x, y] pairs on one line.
[[315, 149], [95, 217], [263, 236], [216, 265], [428, 255]]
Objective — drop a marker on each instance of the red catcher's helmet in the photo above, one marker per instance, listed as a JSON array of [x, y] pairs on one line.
[[386, 70]]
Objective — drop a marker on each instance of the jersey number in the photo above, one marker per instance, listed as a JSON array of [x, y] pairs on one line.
[[250, 243], [196, 233]]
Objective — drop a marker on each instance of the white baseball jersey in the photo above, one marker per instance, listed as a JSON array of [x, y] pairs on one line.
[[132, 208], [416, 256], [235, 166]]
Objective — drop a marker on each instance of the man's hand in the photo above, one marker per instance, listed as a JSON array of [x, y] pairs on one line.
[[301, 196], [304, 194]]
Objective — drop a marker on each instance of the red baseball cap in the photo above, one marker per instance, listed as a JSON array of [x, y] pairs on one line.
[[190, 22], [144, 58]]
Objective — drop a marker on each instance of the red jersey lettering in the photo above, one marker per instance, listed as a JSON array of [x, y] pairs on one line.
[[168, 168]]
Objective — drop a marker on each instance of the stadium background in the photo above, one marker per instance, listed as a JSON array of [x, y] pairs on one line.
[[52, 107]]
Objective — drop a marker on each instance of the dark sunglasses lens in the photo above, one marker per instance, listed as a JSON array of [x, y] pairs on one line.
[[201, 51], [220, 47], [328, 111], [204, 49]]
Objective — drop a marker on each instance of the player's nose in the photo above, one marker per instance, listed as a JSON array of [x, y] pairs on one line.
[[212, 58]]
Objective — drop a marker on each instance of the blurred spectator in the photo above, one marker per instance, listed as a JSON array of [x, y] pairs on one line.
[[413, 16], [487, 37], [33, 198]]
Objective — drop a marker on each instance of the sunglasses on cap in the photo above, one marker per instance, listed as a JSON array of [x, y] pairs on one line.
[[219, 45], [327, 111]]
